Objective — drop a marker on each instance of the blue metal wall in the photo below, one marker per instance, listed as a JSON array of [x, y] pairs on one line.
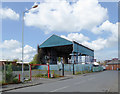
[[81, 49], [68, 67]]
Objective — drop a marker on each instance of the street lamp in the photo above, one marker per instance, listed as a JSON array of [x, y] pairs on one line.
[[35, 6]]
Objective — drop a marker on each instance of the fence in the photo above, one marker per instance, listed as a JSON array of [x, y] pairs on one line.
[[34, 71], [11, 73], [53, 69], [68, 69]]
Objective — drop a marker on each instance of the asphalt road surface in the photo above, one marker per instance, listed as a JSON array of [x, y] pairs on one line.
[[106, 81]]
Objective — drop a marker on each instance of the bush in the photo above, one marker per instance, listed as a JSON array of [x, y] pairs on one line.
[[39, 75], [78, 73], [9, 74], [15, 80]]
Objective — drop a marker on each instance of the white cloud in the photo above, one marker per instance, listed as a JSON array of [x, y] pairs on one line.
[[27, 50], [111, 39], [62, 16], [76, 37], [112, 30], [11, 49], [7, 13], [10, 44], [98, 44]]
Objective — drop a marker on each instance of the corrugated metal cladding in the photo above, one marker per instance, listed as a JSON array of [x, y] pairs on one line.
[[55, 40], [82, 49]]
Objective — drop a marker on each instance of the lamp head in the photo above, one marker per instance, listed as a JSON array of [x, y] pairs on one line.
[[35, 6]]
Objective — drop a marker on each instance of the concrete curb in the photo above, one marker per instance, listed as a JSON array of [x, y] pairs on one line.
[[65, 78], [20, 87], [28, 85]]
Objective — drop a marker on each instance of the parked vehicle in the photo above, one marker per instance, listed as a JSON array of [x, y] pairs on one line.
[[104, 68]]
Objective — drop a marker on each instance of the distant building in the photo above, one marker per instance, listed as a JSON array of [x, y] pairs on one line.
[[6, 62], [113, 64]]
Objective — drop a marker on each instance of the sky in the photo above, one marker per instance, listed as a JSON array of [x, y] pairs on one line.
[[89, 22]]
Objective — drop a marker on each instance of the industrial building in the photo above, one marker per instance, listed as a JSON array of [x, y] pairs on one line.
[[113, 64], [70, 51]]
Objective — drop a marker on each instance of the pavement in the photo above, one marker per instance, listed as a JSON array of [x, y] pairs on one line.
[[106, 81], [34, 82]]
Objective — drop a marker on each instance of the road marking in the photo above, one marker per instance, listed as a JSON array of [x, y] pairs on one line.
[[59, 89]]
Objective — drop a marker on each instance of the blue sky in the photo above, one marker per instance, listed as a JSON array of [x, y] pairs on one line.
[[12, 29]]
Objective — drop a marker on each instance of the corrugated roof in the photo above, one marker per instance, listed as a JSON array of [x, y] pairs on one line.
[[55, 40]]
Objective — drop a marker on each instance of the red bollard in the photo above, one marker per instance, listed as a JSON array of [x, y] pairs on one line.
[[48, 71], [19, 77]]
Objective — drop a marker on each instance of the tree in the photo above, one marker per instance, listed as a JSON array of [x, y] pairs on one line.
[[39, 58], [15, 60], [35, 60]]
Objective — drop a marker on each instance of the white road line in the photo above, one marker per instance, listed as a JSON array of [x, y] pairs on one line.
[[59, 89]]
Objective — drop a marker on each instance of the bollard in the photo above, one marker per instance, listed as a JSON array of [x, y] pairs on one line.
[[48, 71], [73, 70], [62, 69], [19, 77]]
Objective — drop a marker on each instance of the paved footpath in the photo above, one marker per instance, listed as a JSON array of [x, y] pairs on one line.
[[106, 81], [34, 82]]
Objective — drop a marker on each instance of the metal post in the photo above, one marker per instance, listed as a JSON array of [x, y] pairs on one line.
[[85, 59], [73, 70], [62, 69], [80, 58], [23, 48], [4, 71], [30, 69], [77, 58], [23, 42]]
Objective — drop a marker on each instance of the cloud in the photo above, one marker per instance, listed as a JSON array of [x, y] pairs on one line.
[[63, 16], [76, 37], [7, 13], [11, 49], [27, 50], [97, 44], [10, 44], [100, 43], [112, 30], [80, 38]]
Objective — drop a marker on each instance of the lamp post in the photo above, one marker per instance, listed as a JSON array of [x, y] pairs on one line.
[[23, 40]]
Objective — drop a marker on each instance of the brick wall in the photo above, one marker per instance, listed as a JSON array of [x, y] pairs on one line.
[[113, 67]]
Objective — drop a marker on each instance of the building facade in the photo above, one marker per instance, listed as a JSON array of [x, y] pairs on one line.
[[55, 46]]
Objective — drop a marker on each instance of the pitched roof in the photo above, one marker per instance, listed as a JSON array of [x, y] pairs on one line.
[[55, 40]]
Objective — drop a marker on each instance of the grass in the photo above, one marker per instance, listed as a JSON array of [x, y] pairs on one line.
[[82, 72], [45, 75], [40, 75]]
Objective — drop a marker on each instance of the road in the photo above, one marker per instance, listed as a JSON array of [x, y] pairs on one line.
[[106, 81]]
